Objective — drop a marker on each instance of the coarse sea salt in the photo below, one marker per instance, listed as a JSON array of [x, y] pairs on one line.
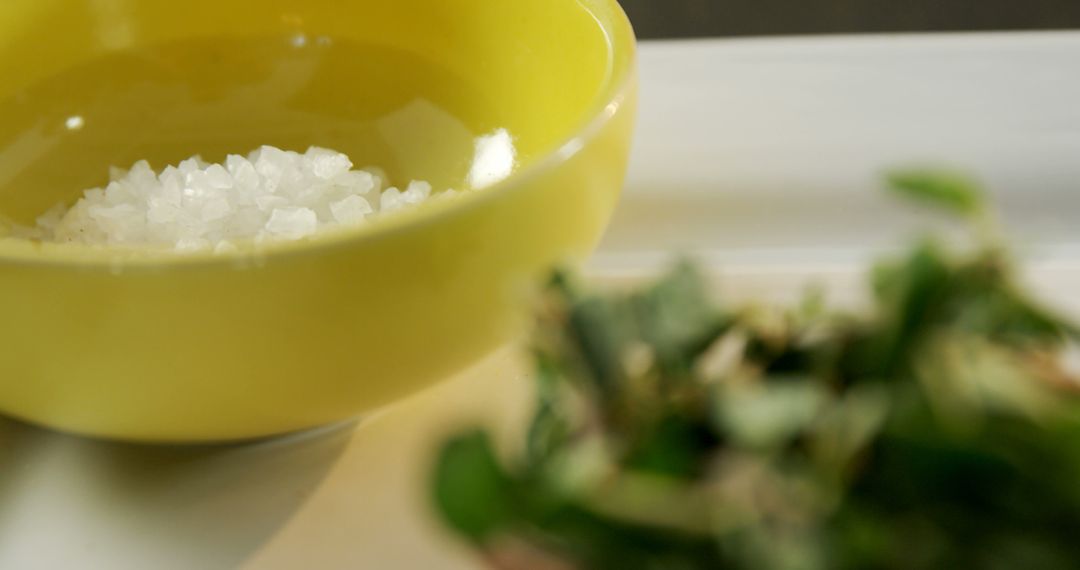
[[269, 195]]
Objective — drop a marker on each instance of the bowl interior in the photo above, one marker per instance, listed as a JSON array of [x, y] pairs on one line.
[[404, 85]]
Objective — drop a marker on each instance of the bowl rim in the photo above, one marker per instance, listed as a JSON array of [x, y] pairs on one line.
[[616, 89]]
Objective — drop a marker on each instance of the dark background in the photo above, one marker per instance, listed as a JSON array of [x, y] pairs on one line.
[[697, 18]]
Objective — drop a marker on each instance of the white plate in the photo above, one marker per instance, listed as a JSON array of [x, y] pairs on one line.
[[760, 155]]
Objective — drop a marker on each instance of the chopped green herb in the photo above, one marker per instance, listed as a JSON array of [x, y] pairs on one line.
[[948, 191], [940, 429]]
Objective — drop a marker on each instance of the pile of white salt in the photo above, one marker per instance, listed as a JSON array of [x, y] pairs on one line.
[[271, 194]]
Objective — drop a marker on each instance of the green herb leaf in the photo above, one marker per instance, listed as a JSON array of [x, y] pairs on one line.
[[471, 490], [949, 191], [676, 319]]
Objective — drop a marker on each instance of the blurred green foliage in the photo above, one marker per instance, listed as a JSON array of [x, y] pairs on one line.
[[940, 429]]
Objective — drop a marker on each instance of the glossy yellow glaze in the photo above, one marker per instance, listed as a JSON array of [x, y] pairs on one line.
[[148, 346]]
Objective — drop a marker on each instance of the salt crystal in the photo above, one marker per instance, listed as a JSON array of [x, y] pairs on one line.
[[328, 164], [244, 175], [292, 223], [391, 200], [172, 182], [417, 192], [161, 211], [219, 178], [378, 174], [350, 210], [233, 163], [269, 203], [357, 181], [111, 212], [189, 165], [141, 174], [215, 209], [197, 184], [115, 192], [270, 162]]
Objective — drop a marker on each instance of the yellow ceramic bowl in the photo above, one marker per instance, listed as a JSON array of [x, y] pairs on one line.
[[155, 347]]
